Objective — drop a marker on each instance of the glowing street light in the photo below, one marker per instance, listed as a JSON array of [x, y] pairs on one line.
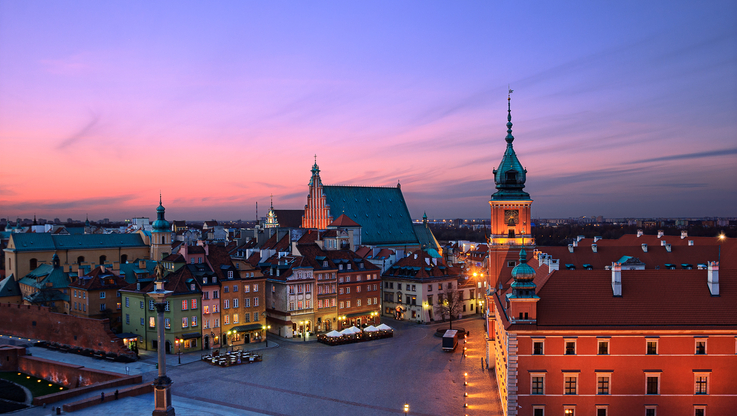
[[406, 409]]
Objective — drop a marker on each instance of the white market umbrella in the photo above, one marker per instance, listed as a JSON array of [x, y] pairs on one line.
[[371, 328], [333, 334], [384, 327]]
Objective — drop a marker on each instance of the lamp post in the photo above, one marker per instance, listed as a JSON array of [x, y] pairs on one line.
[[162, 384], [265, 328], [178, 342], [303, 324], [406, 409], [721, 238]]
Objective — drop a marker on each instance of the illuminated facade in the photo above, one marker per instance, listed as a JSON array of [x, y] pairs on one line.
[[317, 212]]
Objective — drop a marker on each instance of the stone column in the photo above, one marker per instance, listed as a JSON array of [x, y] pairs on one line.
[[162, 384]]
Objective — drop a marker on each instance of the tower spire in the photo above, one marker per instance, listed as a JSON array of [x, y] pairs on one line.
[[160, 198], [509, 137]]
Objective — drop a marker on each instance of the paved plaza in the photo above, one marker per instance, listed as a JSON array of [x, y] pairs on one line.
[[309, 378]]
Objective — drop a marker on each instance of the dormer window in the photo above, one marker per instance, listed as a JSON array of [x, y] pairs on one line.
[[230, 274], [325, 264], [348, 266], [511, 176]]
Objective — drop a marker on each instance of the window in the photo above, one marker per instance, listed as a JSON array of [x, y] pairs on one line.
[[601, 411], [701, 383], [291, 306], [167, 306], [358, 302], [450, 285], [226, 289], [570, 383], [235, 303], [127, 302], [538, 384], [429, 288], [319, 303], [227, 304], [235, 287], [185, 304], [358, 289], [102, 307], [246, 288], [214, 294], [205, 295], [700, 346], [194, 304], [185, 322], [152, 322], [652, 383], [230, 276], [649, 411], [255, 317], [226, 319], [347, 290], [699, 411], [217, 323], [151, 304], [102, 295], [206, 310], [652, 347], [273, 289], [537, 348], [538, 411], [247, 302], [235, 318], [340, 291], [142, 323], [347, 304], [511, 263], [570, 347], [141, 304], [341, 304], [127, 319], [602, 384], [603, 347], [255, 301], [255, 287]]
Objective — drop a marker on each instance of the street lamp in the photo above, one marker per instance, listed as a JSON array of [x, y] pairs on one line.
[[721, 238], [265, 328], [178, 342], [406, 409], [226, 340]]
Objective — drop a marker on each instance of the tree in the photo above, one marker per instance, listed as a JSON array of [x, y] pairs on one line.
[[451, 304]]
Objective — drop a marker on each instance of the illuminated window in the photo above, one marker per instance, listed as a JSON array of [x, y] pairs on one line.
[[700, 346], [194, 321], [185, 304], [701, 383], [226, 319], [194, 304], [538, 384], [206, 310], [152, 322], [247, 288], [570, 383], [652, 383], [255, 287], [652, 347], [235, 318], [185, 322], [569, 411], [537, 348], [167, 323], [603, 347]]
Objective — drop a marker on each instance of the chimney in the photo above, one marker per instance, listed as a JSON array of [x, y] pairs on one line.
[[639, 233], [277, 270], [597, 238], [690, 242], [553, 264], [684, 234], [660, 233], [575, 243], [644, 247], [713, 278], [570, 248], [662, 242], [668, 248], [580, 237], [617, 279], [593, 248]]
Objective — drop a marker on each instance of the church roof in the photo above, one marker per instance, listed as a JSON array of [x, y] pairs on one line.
[[425, 237], [381, 212], [9, 287], [46, 242]]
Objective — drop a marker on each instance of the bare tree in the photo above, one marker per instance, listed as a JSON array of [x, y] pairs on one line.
[[451, 304]]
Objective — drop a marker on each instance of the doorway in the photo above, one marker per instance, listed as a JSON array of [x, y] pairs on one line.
[[207, 342]]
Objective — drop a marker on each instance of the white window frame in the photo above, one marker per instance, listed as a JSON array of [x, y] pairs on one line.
[[699, 407], [655, 408], [607, 375], [696, 376], [657, 347], [540, 340], [565, 347], [696, 346], [600, 407], [648, 375], [603, 341], [565, 375], [532, 375]]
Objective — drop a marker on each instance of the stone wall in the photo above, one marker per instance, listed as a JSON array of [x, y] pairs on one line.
[[39, 323]]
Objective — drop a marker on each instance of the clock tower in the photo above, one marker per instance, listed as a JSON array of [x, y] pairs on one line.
[[510, 210]]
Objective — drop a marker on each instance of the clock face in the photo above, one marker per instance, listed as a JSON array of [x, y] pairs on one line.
[[511, 216]]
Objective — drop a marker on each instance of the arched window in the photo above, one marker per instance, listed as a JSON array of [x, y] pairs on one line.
[[124, 258], [33, 264], [103, 259], [163, 239], [80, 259]]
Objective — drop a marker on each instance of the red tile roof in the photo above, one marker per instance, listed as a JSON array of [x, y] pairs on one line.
[[344, 221], [666, 299]]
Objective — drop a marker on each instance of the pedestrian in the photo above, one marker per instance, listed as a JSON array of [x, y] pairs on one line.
[[116, 394], [482, 363], [102, 396]]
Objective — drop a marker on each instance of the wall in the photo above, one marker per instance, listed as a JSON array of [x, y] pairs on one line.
[[37, 322]]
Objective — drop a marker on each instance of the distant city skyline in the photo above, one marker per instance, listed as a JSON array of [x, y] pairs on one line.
[[616, 113]]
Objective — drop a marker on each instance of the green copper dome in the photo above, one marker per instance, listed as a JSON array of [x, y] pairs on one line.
[[510, 176], [523, 271], [161, 225]]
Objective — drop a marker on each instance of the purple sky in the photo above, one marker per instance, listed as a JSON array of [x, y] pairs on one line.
[[625, 109]]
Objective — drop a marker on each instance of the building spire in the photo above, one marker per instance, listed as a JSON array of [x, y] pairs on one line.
[[160, 197], [272, 201], [509, 137]]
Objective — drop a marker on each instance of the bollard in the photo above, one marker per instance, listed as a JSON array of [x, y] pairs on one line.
[[102, 396], [58, 410]]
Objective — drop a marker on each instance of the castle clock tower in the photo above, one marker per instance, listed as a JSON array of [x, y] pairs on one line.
[[510, 210]]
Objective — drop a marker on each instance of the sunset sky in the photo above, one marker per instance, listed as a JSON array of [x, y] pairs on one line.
[[623, 109]]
